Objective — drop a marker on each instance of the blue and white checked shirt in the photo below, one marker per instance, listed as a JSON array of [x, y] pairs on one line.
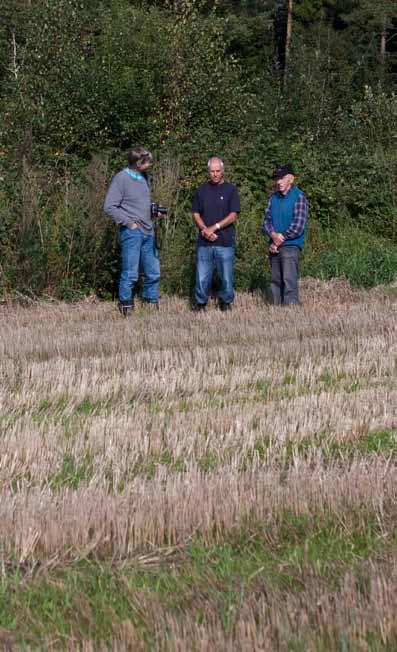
[[299, 220]]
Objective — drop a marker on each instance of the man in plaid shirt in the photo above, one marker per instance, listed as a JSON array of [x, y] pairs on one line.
[[285, 222]]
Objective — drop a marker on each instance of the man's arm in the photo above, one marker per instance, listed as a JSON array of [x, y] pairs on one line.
[[199, 221], [113, 203], [204, 230], [229, 219], [268, 228], [197, 207], [267, 225], [299, 220]]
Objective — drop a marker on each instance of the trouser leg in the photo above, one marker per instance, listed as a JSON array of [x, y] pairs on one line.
[[151, 269], [204, 272], [276, 283], [130, 241], [224, 260], [290, 264]]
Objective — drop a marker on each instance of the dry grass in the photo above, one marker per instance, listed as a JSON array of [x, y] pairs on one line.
[[316, 618], [120, 437], [173, 508], [326, 617]]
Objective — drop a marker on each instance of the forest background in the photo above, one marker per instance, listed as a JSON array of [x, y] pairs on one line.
[[260, 82]]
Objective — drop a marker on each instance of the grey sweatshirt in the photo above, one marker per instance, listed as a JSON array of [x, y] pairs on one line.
[[128, 202]]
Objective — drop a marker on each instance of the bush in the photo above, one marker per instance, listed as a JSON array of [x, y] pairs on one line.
[[86, 84], [350, 252]]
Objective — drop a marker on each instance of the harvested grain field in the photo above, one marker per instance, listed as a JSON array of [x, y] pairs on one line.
[[218, 481]]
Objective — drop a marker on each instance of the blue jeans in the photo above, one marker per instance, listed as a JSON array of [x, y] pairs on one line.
[[207, 259], [138, 249]]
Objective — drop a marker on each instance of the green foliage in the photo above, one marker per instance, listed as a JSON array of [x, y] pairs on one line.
[[311, 10], [93, 598], [377, 442], [7, 245], [81, 86], [80, 82], [350, 252], [376, 13], [73, 473], [204, 82]]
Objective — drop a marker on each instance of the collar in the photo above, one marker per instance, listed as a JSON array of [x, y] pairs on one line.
[[134, 175]]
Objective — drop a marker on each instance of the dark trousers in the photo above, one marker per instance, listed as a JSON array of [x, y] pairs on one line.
[[285, 274]]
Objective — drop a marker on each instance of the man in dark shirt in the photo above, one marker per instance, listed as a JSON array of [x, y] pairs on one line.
[[216, 205]]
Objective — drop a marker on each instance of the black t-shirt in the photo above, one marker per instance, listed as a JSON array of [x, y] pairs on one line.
[[214, 201]]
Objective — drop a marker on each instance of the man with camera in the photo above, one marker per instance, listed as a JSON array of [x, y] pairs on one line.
[[216, 205], [128, 204]]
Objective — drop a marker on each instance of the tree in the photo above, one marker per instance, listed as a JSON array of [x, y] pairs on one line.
[[288, 37], [375, 16]]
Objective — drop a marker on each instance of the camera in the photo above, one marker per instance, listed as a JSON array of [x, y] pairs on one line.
[[157, 209]]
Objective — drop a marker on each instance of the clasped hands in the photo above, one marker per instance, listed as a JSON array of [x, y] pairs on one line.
[[277, 240], [209, 233]]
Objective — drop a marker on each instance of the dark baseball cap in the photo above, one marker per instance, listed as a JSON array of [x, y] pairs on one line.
[[282, 171]]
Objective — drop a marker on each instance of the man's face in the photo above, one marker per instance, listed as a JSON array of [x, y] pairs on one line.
[[284, 184], [216, 172], [142, 167]]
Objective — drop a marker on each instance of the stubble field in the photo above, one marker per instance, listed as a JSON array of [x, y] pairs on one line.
[[198, 482]]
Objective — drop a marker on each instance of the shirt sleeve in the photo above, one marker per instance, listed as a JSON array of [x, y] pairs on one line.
[[197, 207], [234, 203], [267, 226], [113, 203], [299, 220]]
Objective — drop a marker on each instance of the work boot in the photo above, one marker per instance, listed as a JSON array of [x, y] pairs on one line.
[[199, 307], [125, 307], [223, 306]]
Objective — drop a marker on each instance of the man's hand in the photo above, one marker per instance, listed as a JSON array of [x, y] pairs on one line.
[[211, 229], [209, 233], [277, 238], [273, 249]]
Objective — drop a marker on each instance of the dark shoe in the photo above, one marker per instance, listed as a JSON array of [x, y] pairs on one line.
[[224, 306], [199, 307], [125, 308]]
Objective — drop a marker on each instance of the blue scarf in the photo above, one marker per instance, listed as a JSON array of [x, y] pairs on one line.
[[134, 175]]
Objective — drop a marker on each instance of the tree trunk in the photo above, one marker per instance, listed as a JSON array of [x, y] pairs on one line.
[[288, 36], [383, 37]]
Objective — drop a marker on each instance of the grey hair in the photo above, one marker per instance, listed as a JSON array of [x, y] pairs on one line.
[[216, 158], [138, 156]]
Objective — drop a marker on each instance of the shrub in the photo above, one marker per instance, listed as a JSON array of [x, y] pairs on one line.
[[350, 252]]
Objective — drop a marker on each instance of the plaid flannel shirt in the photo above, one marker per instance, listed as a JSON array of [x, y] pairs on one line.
[[299, 219]]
